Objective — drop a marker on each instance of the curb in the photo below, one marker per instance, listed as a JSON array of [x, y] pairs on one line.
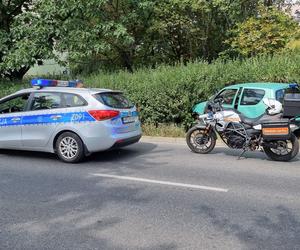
[[176, 140], [173, 140]]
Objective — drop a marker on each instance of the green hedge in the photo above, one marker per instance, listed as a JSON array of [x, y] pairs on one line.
[[7, 88], [167, 94]]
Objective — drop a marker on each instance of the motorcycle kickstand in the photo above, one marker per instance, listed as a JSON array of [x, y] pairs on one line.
[[241, 155]]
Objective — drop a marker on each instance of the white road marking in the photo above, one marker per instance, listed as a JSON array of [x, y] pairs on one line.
[[128, 178]]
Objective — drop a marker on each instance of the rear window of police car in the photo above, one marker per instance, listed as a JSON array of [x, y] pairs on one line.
[[114, 100]]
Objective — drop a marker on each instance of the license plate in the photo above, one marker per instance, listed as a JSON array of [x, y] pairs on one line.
[[276, 131], [129, 119]]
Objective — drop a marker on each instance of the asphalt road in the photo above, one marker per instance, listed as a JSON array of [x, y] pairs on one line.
[[149, 196]]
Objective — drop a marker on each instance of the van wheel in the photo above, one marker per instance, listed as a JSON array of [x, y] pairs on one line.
[[69, 147]]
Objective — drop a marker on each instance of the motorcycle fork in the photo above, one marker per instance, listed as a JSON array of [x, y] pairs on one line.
[[207, 129]]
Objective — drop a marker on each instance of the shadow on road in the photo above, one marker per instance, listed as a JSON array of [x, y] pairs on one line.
[[105, 156], [247, 155], [26, 154], [278, 230], [121, 161], [122, 153], [62, 213]]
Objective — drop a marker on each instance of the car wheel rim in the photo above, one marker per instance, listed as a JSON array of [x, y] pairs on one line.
[[68, 147]]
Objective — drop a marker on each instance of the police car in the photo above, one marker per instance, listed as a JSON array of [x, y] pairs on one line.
[[55, 116]]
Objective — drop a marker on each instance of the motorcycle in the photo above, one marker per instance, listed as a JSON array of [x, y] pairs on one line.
[[270, 132]]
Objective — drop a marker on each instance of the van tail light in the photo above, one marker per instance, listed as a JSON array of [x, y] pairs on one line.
[[101, 115]]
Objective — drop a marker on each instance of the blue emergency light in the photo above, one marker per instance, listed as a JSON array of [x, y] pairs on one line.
[[53, 83], [293, 85]]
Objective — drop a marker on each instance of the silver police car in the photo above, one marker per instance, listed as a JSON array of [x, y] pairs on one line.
[[71, 122]]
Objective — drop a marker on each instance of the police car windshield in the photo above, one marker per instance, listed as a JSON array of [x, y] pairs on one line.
[[114, 100]]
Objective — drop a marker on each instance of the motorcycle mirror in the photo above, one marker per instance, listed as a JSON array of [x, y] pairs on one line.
[[195, 115], [219, 100]]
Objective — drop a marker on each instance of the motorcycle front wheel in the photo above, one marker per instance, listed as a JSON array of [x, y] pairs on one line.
[[286, 150], [199, 141]]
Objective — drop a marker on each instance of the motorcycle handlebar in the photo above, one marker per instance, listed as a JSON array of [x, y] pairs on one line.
[[216, 105]]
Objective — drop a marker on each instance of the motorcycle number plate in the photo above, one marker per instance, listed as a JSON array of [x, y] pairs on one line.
[[276, 131]]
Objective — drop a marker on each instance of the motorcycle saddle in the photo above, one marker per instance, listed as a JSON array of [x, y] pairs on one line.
[[252, 121], [258, 120]]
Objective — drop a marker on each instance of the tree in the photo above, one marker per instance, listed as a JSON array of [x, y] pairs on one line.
[[10, 10], [106, 31], [267, 33], [131, 33], [114, 34], [22, 40]]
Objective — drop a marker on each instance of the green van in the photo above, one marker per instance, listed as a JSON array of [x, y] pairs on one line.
[[247, 97]]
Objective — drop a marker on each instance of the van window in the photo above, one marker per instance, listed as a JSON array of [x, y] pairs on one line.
[[227, 95], [280, 95], [252, 96]]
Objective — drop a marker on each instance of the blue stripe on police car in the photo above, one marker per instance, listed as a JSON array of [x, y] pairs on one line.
[[47, 119]]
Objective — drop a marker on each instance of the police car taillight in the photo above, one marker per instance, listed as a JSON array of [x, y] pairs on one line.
[[101, 115], [52, 83]]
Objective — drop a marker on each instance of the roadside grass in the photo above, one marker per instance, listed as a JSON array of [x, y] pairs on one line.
[[163, 130]]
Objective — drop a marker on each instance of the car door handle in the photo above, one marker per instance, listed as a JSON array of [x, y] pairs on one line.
[[16, 119]]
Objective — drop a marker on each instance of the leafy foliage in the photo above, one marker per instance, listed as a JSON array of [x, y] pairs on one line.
[[167, 94], [113, 34], [267, 33], [98, 31], [122, 34], [23, 40]]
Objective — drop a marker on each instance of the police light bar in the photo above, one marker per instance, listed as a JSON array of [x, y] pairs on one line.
[[293, 85], [52, 83]]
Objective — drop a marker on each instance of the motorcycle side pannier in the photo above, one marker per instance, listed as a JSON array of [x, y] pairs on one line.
[[276, 130], [291, 105]]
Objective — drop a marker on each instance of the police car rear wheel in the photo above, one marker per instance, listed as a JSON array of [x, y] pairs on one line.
[[69, 147]]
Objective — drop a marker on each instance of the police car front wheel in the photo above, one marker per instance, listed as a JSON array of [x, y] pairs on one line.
[[69, 147]]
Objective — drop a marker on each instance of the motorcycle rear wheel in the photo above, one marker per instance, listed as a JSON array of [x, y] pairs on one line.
[[200, 142], [284, 152]]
